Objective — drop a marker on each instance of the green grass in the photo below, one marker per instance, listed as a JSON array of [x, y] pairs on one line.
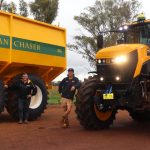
[[54, 96]]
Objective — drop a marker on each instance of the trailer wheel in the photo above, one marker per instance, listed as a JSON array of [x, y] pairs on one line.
[[87, 113], [2, 96], [38, 101]]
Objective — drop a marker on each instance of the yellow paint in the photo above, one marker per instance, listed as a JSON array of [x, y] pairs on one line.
[[124, 49], [142, 58], [115, 51], [46, 66]]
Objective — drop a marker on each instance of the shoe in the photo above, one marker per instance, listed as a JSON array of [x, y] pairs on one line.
[[65, 122], [20, 122], [65, 125], [26, 121], [62, 121]]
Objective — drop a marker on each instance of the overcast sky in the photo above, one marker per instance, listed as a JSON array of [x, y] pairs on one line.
[[67, 10]]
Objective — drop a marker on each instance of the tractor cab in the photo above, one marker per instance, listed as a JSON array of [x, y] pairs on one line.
[[138, 32]]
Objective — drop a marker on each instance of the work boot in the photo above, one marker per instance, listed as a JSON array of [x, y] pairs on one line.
[[66, 122], [63, 121], [20, 122]]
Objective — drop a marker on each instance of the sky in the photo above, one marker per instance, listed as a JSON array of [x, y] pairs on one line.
[[67, 10]]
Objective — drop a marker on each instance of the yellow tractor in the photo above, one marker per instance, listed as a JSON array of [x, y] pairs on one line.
[[33, 47], [122, 79]]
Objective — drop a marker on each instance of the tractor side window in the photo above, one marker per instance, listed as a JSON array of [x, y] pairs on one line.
[[145, 35], [148, 35], [139, 34]]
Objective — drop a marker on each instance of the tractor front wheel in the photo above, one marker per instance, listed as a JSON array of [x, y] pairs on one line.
[[88, 114]]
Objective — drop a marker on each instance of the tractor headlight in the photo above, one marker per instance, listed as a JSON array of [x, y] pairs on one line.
[[120, 59], [99, 61]]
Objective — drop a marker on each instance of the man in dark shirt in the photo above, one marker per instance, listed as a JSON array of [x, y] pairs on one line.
[[25, 89], [67, 89]]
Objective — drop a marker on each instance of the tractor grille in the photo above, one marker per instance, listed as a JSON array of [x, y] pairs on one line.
[[125, 71]]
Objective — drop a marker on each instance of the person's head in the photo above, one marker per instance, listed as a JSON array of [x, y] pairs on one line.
[[70, 72], [25, 77]]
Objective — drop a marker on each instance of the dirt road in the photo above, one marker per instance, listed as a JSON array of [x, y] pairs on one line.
[[46, 134]]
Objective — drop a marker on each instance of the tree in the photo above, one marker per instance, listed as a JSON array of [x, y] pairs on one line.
[[23, 8], [9, 7], [44, 10], [103, 16], [12, 7], [1, 3]]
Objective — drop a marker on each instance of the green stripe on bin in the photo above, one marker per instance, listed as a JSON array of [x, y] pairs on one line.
[[4, 41], [37, 47]]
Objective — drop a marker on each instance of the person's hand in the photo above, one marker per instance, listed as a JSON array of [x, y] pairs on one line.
[[73, 88], [6, 86], [29, 96]]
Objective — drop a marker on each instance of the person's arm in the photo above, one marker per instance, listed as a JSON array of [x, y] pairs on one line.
[[61, 86], [33, 89], [78, 84]]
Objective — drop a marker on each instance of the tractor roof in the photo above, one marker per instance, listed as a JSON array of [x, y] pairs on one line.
[[138, 23]]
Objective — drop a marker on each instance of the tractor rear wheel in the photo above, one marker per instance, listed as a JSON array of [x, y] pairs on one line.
[[138, 99], [2, 96], [38, 101], [140, 116], [87, 112]]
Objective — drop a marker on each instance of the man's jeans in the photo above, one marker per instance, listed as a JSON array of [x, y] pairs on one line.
[[23, 105]]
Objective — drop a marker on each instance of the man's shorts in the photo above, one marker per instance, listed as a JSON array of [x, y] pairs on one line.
[[65, 101]]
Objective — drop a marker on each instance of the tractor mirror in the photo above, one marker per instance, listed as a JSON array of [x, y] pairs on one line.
[[100, 41]]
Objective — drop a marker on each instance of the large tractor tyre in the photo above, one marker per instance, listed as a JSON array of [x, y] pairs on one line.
[[137, 98], [38, 101], [87, 113], [2, 96]]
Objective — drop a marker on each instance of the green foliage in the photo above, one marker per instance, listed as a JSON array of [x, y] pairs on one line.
[[23, 8], [1, 2], [54, 96], [9, 7], [103, 16], [44, 10]]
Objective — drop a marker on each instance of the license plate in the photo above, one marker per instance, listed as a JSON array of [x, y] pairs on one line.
[[108, 96]]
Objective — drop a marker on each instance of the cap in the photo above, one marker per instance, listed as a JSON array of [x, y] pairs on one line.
[[71, 69]]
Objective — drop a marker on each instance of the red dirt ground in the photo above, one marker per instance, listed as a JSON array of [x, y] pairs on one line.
[[46, 134]]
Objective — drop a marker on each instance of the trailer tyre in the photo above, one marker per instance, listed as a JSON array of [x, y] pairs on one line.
[[2, 96], [38, 101], [88, 115]]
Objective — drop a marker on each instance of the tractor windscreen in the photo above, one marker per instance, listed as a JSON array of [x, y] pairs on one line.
[[138, 34]]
